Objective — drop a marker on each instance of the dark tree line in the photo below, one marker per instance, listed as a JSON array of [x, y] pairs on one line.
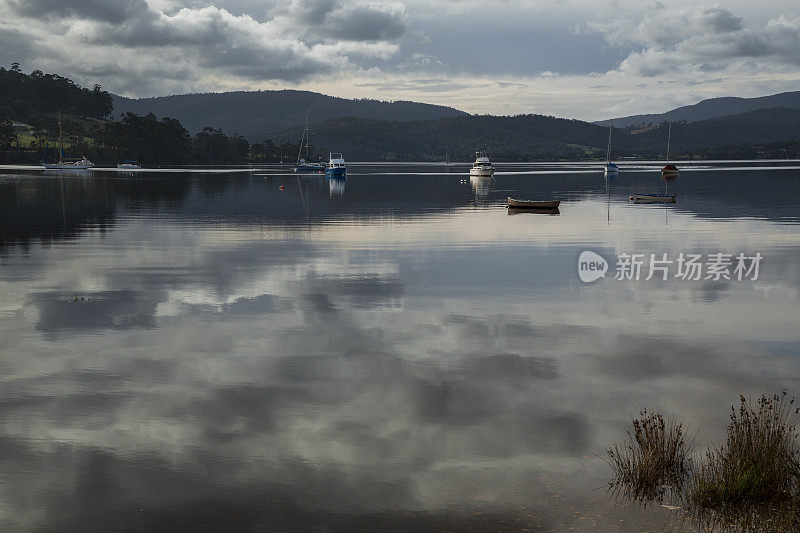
[[24, 96], [145, 139], [7, 134], [212, 146]]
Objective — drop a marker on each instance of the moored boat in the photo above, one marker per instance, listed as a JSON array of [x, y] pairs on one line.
[[611, 170], [336, 165], [129, 165], [533, 204], [482, 166], [303, 167], [652, 198], [66, 164], [669, 170]]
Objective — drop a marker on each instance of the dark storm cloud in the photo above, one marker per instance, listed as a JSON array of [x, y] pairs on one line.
[[313, 11], [179, 45], [366, 23], [204, 28], [14, 46], [114, 11], [721, 20], [259, 62]]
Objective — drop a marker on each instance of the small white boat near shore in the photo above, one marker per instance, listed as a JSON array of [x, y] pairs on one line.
[[68, 164], [63, 163]]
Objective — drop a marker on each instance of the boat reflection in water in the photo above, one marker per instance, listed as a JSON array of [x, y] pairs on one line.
[[68, 173], [336, 186], [537, 210], [481, 185]]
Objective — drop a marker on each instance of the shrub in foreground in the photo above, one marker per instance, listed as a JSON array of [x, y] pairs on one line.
[[655, 455], [759, 462]]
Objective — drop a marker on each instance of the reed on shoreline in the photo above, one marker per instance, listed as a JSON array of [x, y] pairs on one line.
[[655, 454], [760, 460], [751, 482]]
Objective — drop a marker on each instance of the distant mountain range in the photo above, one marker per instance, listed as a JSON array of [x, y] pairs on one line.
[[255, 115], [372, 129], [382, 131], [532, 137], [712, 108]]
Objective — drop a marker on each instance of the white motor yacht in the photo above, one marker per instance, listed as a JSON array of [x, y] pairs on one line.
[[482, 165]]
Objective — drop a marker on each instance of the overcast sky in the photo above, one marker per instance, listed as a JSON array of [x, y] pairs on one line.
[[584, 59]]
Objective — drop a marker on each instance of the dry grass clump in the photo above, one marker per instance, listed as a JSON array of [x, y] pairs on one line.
[[654, 456], [750, 483], [759, 462]]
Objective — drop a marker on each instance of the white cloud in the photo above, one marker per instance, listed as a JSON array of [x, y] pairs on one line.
[[138, 46], [578, 59], [692, 41]]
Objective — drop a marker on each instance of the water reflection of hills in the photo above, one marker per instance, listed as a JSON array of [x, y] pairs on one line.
[[767, 194], [58, 207], [53, 208]]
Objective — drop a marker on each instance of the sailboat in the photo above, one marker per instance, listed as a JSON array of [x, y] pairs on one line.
[[302, 164], [66, 164], [611, 170], [668, 172], [669, 169]]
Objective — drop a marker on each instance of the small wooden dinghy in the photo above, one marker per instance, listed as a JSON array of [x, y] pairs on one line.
[[532, 204], [652, 198]]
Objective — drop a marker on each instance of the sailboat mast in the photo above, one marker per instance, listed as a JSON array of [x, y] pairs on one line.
[[669, 136], [307, 134], [608, 153], [60, 140], [302, 137]]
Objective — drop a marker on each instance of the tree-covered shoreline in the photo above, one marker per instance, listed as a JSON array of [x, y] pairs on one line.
[[30, 106]]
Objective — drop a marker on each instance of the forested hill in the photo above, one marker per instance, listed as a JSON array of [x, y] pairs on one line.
[[511, 138], [713, 108], [531, 137], [24, 97], [255, 115]]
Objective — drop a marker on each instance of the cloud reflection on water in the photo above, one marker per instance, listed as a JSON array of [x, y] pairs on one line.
[[351, 374]]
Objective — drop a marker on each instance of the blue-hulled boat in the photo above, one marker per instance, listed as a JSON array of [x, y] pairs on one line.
[[336, 165], [305, 167]]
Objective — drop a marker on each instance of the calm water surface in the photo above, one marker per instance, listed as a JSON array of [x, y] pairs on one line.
[[394, 351]]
